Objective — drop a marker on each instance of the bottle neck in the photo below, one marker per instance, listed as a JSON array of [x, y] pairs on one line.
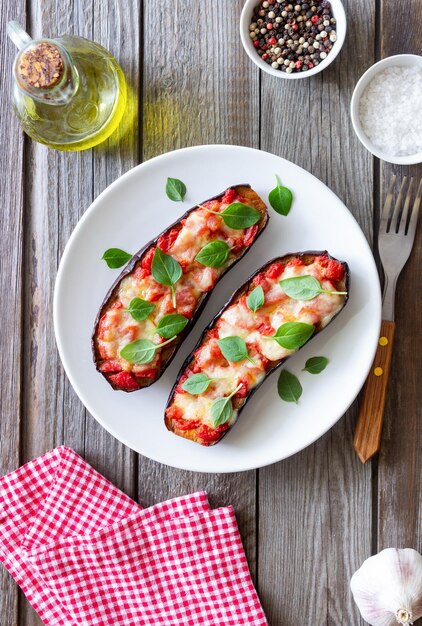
[[44, 70]]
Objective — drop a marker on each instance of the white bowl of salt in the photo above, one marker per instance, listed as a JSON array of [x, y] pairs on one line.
[[386, 109]]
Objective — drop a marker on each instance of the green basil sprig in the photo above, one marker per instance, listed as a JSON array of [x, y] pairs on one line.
[[166, 271], [316, 364], [142, 350], [281, 198], [292, 335], [140, 309], [214, 254], [289, 387], [115, 257], [197, 384], [234, 349], [222, 409], [237, 215], [256, 299], [305, 288], [171, 325], [175, 189]]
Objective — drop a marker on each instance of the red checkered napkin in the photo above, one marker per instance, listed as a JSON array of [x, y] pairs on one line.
[[85, 554]]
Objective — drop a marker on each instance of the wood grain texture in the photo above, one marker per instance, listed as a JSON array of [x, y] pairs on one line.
[[60, 186], [193, 59], [400, 462], [11, 255], [310, 521], [368, 431], [316, 507]]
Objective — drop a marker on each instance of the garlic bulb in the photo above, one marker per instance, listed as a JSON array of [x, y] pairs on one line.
[[388, 587]]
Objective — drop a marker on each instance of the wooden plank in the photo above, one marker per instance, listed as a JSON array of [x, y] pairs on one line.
[[225, 109], [11, 254], [315, 509], [400, 463], [63, 186]]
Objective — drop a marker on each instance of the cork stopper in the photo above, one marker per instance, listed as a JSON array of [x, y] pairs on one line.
[[41, 66]]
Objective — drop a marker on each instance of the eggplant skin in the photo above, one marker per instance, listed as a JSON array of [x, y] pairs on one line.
[[169, 353], [307, 257]]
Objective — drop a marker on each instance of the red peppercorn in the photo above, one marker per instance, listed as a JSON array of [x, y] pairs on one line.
[[272, 41], [269, 26], [265, 47], [310, 65], [298, 64], [314, 19], [256, 43], [265, 56], [295, 26]]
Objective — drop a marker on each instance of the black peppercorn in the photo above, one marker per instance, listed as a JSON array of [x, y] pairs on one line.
[[292, 33]]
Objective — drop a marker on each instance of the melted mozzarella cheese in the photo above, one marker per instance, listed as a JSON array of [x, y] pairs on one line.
[[238, 320], [269, 347], [117, 328]]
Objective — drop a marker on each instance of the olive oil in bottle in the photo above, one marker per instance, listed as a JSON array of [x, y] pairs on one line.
[[69, 93]]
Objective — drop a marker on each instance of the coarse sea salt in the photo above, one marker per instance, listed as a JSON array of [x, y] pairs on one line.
[[390, 111]]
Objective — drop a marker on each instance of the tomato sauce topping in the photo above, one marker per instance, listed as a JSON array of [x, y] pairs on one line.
[[166, 241], [124, 380], [115, 331]]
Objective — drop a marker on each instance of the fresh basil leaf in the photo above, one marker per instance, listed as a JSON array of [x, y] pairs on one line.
[[293, 335], [115, 257], [165, 269], [221, 411], [289, 387], [175, 189], [234, 349], [305, 288], [171, 325], [281, 198], [196, 384], [238, 215], [142, 350], [214, 254], [316, 364], [301, 287], [140, 309], [256, 299], [139, 351]]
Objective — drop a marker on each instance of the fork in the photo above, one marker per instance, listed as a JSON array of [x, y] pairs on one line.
[[395, 241]]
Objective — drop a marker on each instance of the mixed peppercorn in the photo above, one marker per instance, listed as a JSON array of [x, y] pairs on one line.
[[293, 37]]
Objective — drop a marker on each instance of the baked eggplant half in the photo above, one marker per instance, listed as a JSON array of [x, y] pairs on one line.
[[155, 301], [279, 309]]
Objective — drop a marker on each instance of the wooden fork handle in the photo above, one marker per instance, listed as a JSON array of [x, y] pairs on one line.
[[371, 414]]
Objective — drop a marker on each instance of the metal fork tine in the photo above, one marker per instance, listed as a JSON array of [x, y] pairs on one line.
[[397, 208], [415, 213], [405, 214], [387, 204]]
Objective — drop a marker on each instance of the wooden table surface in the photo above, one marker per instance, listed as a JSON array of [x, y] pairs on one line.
[[308, 522]]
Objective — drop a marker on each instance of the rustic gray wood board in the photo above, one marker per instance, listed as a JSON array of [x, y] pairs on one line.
[[308, 522], [225, 109], [316, 507], [399, 484], [11, 247]]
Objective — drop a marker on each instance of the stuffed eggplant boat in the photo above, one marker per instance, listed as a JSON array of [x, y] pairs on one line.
[[280, 308], [155, 300]]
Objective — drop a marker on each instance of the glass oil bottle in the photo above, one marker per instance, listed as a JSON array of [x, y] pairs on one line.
[[69, 93]]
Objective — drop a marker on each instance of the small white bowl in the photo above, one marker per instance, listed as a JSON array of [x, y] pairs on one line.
[[246, 19], [401, 60]]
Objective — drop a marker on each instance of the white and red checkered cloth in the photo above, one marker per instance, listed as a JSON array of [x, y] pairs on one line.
[[85, 554]]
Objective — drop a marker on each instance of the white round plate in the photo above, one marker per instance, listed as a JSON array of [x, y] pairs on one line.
[[133, 210]]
